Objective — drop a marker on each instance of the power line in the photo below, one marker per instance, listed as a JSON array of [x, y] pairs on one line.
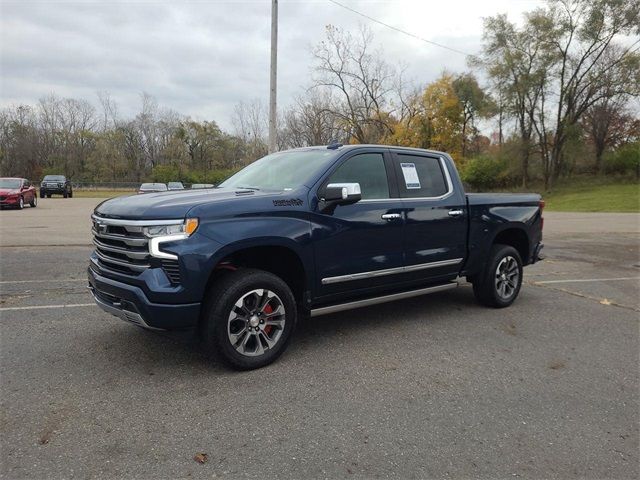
[[398, 29]]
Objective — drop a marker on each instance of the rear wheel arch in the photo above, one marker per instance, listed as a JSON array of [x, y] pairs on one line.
[[517, 238]]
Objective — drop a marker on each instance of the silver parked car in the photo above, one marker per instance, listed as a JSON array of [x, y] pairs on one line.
[[152, 187]]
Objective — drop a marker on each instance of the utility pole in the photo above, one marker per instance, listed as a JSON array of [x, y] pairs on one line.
[[274, 77]]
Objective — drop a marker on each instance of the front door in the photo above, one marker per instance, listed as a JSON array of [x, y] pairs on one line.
[[357, 246], [435, 216]]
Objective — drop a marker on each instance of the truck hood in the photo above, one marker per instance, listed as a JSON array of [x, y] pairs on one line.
[[171, 204]]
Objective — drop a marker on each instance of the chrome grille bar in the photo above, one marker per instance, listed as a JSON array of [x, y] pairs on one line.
[[137, 255], [122, 263], [121, 238]]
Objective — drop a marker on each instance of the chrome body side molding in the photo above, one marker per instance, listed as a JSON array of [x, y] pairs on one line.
[[390, 271], [383, 299]]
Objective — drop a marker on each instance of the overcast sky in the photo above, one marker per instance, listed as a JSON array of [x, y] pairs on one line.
[[201, 57]]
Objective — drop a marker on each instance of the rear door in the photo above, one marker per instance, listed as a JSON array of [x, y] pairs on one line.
[[435, 227], [357, 246]]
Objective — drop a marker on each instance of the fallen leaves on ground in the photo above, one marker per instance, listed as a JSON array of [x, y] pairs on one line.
[[201, 457]]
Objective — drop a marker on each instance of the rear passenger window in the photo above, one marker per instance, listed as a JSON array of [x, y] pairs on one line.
[[368, 170], [420, 177]]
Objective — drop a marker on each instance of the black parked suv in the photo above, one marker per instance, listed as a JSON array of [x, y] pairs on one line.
[[58, 184]]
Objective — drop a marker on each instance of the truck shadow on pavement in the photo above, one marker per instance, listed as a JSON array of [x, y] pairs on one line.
[[167, 351]]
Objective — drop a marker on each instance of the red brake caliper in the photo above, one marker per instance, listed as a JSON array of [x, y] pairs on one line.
[[268, 310]]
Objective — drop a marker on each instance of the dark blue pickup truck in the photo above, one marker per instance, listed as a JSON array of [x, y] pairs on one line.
[[309, 231]]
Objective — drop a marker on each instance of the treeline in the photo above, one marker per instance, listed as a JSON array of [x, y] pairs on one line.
[[556, 102]]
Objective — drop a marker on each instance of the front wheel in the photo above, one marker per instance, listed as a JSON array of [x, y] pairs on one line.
[[34, 201], [41, 194], [498, 285], [248, 319], [21, 203]]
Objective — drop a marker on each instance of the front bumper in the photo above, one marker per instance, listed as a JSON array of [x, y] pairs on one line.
[[10, 201], [129, 303]]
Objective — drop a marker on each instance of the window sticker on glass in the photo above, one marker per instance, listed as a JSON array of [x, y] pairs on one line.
[[410, 174]]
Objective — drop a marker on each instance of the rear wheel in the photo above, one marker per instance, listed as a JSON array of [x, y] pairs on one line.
[[70, 193], [41, 194], [64, 194], [34, 201], [498, 285], [248, 319]]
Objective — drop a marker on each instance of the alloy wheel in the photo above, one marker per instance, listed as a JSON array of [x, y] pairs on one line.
[[256, 322], [507, 277]]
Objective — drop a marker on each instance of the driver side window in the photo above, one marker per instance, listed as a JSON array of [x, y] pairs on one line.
[[369, 171]]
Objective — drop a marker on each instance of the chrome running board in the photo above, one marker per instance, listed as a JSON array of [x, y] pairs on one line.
[[385, 298]]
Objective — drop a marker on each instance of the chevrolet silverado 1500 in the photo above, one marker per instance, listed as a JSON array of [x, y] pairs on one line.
[[308, 231]]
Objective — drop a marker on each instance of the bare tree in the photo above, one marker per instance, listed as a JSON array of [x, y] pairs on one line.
[[361, 79], [109, 110], [311, 121], [250, 122]]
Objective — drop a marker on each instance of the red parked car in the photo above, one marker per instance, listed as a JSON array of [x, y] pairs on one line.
[[16, 192]]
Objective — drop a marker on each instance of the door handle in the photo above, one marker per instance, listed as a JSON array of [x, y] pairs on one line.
[[391, 216], [455, 213]]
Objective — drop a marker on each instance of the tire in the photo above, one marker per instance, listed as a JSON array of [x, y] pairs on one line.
[[64, 194], [224, 321], [41, 194], [48, 195], [70, 193], [498, 285], [34, 201], [21, 203]]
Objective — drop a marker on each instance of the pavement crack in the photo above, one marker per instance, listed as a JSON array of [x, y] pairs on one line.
[[582, 295]]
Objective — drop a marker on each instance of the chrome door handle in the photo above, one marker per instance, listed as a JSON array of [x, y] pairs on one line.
[[455, 213], [391, 216]]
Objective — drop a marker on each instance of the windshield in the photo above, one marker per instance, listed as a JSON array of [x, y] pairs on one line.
[[280, 171], [12, 183], [54, 178]]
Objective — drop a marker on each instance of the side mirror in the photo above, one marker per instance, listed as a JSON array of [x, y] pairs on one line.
[[339, 194]]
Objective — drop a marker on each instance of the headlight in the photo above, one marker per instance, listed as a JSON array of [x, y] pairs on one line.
[[187, 228], [160, 234]]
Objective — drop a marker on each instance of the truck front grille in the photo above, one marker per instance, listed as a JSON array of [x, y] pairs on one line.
[[122, 248]]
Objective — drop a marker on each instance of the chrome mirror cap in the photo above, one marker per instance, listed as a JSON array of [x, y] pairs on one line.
[[348, 189]]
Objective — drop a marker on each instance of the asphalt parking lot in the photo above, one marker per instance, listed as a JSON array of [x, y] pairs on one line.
[[435, 387]]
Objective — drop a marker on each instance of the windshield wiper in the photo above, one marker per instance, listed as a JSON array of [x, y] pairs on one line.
[[249, 188]]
